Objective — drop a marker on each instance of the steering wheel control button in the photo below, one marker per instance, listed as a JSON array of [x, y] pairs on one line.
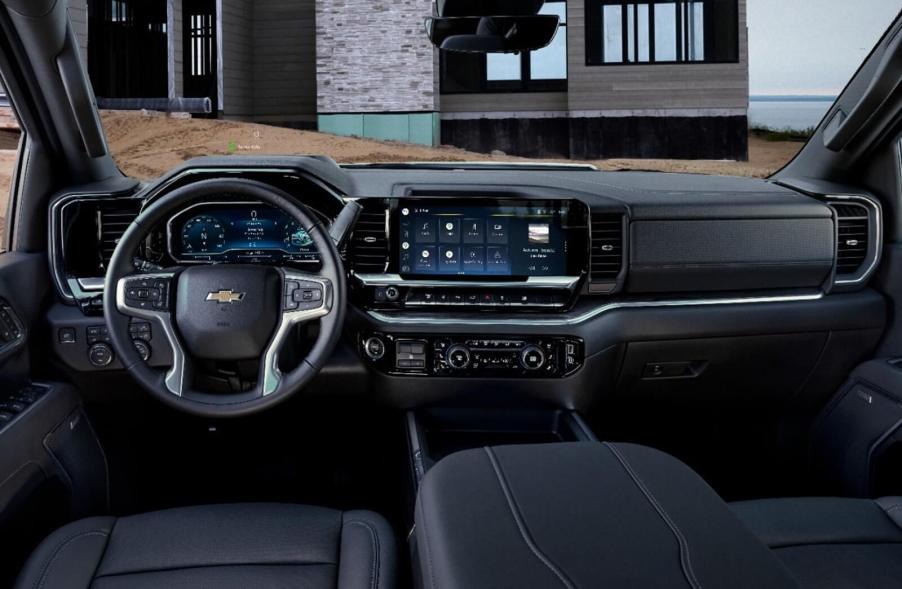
[[147, 293], [374, 348], [532, 358], [303, 295], [100, 355]]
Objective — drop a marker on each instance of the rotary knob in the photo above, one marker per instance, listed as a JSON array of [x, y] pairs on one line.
[[374, 348], [458, 357], [142, 348], [100, 355], [532, 358]]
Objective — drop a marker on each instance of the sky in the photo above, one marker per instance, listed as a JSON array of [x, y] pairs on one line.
[[812, 46]]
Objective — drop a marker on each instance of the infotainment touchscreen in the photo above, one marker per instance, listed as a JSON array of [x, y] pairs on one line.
[[437, 238]]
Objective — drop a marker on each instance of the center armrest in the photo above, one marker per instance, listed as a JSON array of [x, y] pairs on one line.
[[581, 515]]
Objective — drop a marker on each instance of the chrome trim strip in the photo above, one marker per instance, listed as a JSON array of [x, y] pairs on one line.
[[55, 238], [475, 164], [568, 282], [875, 208], [91, 284], [588, 315]]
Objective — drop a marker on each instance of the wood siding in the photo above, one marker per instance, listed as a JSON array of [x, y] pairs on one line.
[[177, 42], [284, 60], [237, 59], [653, 87], [269, 60]]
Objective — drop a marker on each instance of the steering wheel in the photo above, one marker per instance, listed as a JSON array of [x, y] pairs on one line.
[[224, 311]]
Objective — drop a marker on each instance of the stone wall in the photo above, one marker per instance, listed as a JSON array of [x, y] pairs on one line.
[[374, 57]]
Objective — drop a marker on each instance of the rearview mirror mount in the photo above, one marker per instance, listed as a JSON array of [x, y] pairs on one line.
[[492, 34]]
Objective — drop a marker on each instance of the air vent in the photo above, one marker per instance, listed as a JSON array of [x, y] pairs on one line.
[[367, 251], [852, 238], [113, 218], [606, 258]]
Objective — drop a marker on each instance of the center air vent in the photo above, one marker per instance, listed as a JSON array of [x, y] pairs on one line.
[[367, 251], [606, 259], [113, 218], [852, 237]]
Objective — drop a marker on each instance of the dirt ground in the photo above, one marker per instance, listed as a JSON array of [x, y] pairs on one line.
[[146, 145]]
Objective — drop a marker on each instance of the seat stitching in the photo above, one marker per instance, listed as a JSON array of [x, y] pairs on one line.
[[521, 523], [213, 566], [685, 560], [429, 565], [39, 582], [374, 539]]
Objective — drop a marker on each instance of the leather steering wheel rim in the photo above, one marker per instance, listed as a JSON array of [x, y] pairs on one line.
[[331, 274]]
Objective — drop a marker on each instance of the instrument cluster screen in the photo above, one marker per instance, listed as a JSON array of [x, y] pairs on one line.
[[528, 239], [241, 232]]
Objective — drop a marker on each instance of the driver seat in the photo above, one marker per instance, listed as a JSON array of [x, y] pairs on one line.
[[263, 546]]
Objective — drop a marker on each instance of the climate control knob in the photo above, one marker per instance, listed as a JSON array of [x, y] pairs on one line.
[[532, 357], [458, 357]]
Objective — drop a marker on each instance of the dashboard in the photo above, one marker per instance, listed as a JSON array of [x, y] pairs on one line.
[[238, 232], [510, 274]]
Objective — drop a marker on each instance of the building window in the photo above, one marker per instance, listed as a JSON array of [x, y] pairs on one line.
[[662, 31], [543, 70]]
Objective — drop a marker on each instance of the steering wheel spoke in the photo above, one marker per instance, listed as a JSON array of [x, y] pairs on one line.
[[150, 296], [305, 297]]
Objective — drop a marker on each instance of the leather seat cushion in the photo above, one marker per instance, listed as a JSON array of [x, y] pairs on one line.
[[832, 543], [225, 546]]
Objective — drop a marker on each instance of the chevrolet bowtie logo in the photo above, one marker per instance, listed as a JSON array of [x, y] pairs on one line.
[[225, 296]]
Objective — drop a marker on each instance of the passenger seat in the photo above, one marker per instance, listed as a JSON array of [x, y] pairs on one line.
[[831, 543]]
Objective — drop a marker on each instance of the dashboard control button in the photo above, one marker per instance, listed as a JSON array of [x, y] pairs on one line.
[[392, 294], [532, 357], [67, 335], [458, 357], [374, 348], [143, 349], [100, 354]]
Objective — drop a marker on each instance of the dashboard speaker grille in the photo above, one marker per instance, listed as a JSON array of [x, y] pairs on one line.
[[113, 218], [367, 250], [852, 238], [606, 259]]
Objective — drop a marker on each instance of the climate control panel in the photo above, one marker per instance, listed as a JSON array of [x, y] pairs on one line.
[[466, 356]]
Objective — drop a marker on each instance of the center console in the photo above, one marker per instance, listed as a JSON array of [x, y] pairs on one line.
[[498, 255]]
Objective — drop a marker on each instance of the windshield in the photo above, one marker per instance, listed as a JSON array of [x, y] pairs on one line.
[[709, 86]]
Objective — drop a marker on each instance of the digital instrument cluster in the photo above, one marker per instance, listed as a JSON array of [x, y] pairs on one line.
[[239, 233]]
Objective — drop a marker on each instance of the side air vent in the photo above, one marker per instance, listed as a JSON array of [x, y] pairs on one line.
[[606, 258], [852, 238], [113, 218], [367, 251]]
